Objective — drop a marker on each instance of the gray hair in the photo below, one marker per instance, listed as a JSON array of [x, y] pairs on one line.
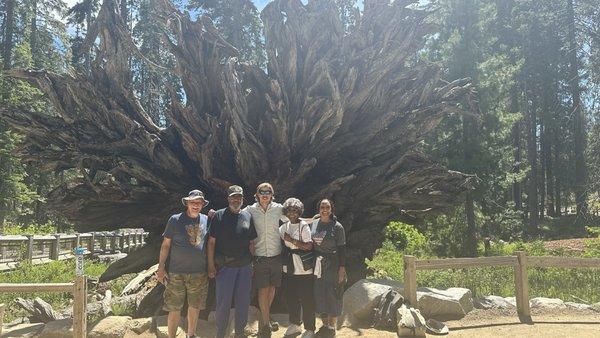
[[293, 203]]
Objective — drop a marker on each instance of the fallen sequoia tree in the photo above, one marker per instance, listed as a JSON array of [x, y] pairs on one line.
[[337, 114]]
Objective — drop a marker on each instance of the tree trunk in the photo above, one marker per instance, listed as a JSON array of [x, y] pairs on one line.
[[7, 38], [334, 117], [579, 122], [33, 36], [532, 185], [542, 170]]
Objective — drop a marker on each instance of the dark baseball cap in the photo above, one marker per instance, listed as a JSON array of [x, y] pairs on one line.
[[235, 190]]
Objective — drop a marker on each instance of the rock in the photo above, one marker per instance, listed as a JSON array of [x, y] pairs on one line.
[[595, 307], [491, 302], [58, 329], [25, 304], [511, 300], [161, 328], [140, 325], [110, 327], [125, 301], [548, 303], [102, 308], [453, 303], [578, 306], [136, 284], [361, 298], [44, 311], [24, 330]]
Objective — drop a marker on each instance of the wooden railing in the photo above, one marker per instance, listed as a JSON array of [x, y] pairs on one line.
[[520, 262], [38, 249], [78, 289]]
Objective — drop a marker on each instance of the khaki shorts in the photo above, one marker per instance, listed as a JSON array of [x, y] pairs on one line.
[[194, 286]]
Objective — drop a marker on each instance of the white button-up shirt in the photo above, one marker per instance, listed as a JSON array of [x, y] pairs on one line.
[[266, 223]]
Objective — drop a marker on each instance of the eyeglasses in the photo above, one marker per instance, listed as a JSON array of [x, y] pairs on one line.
[[264, 192]]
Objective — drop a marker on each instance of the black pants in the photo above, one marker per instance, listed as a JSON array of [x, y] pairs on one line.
[[299, 296]]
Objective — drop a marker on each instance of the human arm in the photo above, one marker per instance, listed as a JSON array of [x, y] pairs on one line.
[[161, 273], [341, 252], [210, 253]]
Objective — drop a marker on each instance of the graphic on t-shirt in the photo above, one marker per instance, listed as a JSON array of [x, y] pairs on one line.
[[318, 237], [195, 234]]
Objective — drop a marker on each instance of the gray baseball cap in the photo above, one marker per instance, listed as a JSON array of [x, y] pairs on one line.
[[235, 190]]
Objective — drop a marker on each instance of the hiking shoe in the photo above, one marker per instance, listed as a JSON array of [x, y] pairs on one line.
[[274, 325], [308, 334], [292, 330]]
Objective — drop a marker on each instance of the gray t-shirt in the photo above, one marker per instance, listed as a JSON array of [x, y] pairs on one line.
[[187, 235]]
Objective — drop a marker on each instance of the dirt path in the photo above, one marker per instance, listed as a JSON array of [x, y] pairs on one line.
[[496, 323]]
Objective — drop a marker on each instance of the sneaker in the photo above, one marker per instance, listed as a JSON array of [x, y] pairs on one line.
[[274, 325], [240, 335], [292, 330], [308, 334]]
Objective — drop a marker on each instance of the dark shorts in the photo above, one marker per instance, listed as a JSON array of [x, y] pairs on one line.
[[268, 271]]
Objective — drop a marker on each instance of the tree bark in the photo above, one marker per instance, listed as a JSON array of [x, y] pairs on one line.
[[336, 116], [7, 38]]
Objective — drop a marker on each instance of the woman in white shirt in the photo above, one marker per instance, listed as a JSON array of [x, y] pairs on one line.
[[298, 264]]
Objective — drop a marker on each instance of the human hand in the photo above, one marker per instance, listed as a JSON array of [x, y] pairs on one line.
[[211, 213], [161, 275], [288, 238]]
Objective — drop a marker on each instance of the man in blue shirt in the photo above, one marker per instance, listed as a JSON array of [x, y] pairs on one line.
[[182, 263], [230, 249]]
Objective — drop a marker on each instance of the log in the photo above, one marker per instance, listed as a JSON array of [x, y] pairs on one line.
[[337, 115]]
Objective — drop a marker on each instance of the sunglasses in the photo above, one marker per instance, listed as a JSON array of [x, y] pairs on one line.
[[264, 192]]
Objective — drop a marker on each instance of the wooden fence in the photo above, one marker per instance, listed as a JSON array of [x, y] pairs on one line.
[[78, 289], [520, 262], [38, 249]]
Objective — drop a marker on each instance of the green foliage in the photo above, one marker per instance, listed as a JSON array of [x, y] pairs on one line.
[[406, 238], [30, 229], [52, 272], [593, 231]]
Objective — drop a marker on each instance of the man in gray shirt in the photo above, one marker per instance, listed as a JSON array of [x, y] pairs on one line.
[[268, 261], [182, 263]]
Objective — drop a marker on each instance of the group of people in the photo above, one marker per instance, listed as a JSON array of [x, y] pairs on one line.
[[265, 246]]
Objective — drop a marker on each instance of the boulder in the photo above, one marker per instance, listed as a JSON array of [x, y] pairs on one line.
[[453, 303], [492, 302], [361, 298], [511, 300], [547, 303], [140, 325], [110, 327], [578, 306], [58, 329]]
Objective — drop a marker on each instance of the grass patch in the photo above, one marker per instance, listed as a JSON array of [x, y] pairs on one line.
[[52, 272], [560, 283]]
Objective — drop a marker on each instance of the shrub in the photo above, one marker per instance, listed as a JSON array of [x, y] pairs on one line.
[[406, 238]]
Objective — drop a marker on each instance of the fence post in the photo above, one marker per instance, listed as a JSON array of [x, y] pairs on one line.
[[103, 242], [79, 307], [522, 288], [134, 235], [410, 280], [1, 317], [29, 248], [121, 242], [140, 236], [113, 242], [92, 243], [55, 248]]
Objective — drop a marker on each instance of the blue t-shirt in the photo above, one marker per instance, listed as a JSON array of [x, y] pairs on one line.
[[188, 254]]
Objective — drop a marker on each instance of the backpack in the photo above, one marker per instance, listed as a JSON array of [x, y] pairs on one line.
[[385, 313]]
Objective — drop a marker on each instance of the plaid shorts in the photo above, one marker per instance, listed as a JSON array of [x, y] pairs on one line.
[[194, 286]]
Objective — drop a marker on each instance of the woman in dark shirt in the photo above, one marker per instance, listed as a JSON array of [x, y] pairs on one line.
[[330, 271]]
